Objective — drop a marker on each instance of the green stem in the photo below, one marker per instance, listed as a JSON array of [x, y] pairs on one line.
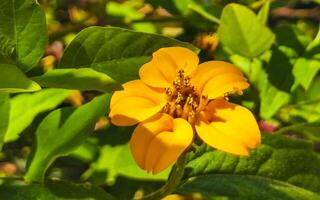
[[173, 181]]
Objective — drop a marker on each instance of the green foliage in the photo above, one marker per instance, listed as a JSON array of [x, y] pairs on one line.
[[4, 113], [57, 134], [278, 158], [239, 25], [54, 190], [23, 33], [116, 159], [245, 187], [116, 52], [13, 80], [307, 130], [80, 79], [25, 107], [263, 14]]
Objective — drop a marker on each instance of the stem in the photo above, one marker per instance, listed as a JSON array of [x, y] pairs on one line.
[[172, 183]]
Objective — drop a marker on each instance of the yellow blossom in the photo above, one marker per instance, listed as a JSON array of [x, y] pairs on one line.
[[176, 100]]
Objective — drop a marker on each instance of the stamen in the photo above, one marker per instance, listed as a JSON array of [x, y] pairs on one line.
[[183, 99]]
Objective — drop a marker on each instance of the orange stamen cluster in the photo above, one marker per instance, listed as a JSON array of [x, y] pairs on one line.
[[183, 99]]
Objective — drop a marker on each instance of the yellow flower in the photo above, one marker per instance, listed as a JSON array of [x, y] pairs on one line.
[[177, 99]]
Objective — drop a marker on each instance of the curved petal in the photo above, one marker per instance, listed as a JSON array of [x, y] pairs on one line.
[[158, 142], [137, 102], [162, 70], [216, 78], [228, 127]]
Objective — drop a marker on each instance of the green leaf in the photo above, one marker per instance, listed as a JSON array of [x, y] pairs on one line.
[[117, 52], [242, 32], [273, 83], [298, 42], [13, 80], [61, 132], [79, 79], [305, 70], [201, 11], [305, 105], [53, 190], [4, 116], [263, 14], [168, 5], [115, 159], [245, 187], [25, 107], [125, 9], [279, 158], [23, 33]]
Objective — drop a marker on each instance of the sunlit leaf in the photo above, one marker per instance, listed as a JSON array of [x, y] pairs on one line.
[[305, 70], [304, 106], [23, 33], [61, 132], [125, 9], [263, 14], [25, 107], [4, 116], [13, 80], [79, 79], [116, 159], [242, 32]]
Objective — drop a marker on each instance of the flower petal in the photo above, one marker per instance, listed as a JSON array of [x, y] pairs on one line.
[[216, 78], [137, 102], [157, 142], [162, 70], [228, 127]]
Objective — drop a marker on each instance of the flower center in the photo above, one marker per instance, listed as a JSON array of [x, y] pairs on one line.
[[183, 99]]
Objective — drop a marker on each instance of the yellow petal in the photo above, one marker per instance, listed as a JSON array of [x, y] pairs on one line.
[[137, 102], [228, 127], [216, 78], [162, 70], [158, 142]]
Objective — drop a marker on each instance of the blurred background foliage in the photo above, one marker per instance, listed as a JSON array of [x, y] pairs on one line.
[[276, 43]]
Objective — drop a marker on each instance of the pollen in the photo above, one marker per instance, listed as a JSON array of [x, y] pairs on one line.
[[183, 100]]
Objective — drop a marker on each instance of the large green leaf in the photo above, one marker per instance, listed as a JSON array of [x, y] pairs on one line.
[[279, 158], [61, 132], [4, 116], [80, 79], [245, 187], [53, 190], [117, 52], [23, 33], [13, 80], [25, 107], [116, 159], [242, 32]]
